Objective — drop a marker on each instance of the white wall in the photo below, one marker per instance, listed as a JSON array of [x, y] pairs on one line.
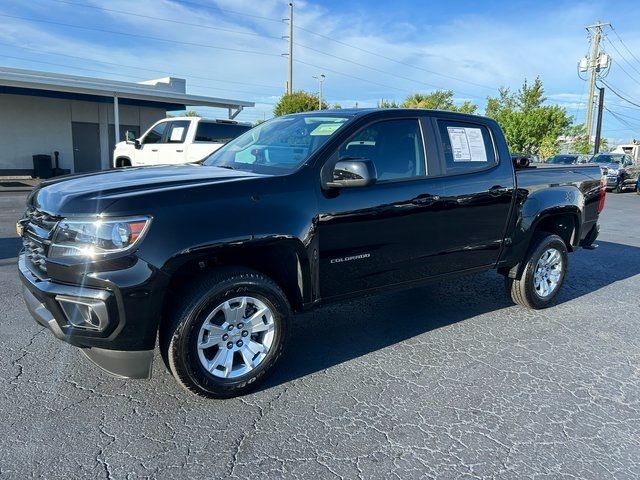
[[32, 125]]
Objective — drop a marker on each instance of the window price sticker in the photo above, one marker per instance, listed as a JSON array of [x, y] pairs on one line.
[[467, 144]]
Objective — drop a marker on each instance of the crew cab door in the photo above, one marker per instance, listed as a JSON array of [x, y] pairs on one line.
[[172, 149], [147, 154], [384, 233], [478, 188]]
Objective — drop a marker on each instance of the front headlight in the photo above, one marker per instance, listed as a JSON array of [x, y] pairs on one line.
[[91, 238], [612, 173]]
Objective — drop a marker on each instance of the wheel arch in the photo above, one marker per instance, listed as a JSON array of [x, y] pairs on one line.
[[122, 161], [565, 221], [284, 260]]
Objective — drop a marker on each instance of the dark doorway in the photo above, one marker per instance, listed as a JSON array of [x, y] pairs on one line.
[[86, 147]]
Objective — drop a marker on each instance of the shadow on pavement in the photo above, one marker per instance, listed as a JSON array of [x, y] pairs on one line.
[[343, 331], [9, 247]]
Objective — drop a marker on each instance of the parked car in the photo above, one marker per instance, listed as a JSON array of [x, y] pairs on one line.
[[176, 140], [214, 258], [619, 170], [569, 159]]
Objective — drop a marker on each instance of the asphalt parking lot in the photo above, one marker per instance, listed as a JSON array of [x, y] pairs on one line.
[[448, 381]]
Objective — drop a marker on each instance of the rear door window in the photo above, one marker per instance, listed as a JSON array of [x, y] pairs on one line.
[[219, 132], [467, 147], [177, 131]]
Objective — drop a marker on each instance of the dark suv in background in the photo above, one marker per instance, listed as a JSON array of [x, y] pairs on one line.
[[619, 170]]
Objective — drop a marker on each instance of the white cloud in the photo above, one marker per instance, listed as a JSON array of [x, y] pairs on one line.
[[485, 50]]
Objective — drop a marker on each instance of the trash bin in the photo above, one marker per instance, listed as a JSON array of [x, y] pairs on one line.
[[42, 166]]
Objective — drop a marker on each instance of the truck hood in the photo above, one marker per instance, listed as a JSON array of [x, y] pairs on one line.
[[92, 193]]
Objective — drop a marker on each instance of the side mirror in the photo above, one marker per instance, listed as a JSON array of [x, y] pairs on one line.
[[520, 162], [353, 172], [130, 138]]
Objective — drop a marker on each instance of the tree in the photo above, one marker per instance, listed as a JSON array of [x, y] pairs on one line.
[[297, 102], [548, 148], [577, 138], [438, 100], [524, 118], [191, 113], [388, 104]]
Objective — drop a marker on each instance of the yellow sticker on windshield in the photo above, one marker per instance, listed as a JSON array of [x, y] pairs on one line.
[[325, 129]]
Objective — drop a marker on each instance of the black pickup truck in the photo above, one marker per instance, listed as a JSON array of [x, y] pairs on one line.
[[214, 258]]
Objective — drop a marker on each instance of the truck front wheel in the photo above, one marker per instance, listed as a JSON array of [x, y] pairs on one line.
[[227, 334], [543, 273]]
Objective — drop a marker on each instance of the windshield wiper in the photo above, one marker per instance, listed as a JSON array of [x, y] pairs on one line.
[[228, 167]]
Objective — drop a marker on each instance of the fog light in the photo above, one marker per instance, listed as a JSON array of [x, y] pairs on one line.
[[84, 313]]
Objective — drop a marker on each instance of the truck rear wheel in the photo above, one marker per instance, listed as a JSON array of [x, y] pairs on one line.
[[543, 273], [227, 334]]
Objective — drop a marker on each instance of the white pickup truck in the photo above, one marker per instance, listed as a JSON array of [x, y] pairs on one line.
[[176, 140]]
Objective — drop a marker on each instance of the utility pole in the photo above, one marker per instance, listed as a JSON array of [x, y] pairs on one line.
[[320, 79], [596, 147], [289, 89], [594, 64]]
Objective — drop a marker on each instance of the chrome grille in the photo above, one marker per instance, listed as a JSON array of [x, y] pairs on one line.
[[38, 228], [41, 219]]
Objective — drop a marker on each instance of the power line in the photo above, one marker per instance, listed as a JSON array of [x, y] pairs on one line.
[[350, 76], [327, 37], [197, 44], [208, 87], [147, 37], [375, 69], [232, 12], [623, 115], [618, 94], [625, 60], [407, 64], [622, 120], [163, 72], [178, 22], [624, 44]]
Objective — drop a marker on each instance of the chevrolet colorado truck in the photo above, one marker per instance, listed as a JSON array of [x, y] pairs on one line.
[[213, 259]]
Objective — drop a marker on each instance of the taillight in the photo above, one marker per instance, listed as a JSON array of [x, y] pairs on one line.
[[603, 194]]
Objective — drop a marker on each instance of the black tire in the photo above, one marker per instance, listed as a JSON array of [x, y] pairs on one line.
[[619, 188], [523, 290], [179, 334]]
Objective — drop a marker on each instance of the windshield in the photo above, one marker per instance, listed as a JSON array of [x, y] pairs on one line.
[[563, 159], [278, 146], [609, 158]]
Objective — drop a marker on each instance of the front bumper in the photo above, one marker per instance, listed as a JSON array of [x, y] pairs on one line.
[[120, 347]]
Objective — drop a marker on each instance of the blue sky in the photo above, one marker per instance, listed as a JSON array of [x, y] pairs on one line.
[[367, 49]]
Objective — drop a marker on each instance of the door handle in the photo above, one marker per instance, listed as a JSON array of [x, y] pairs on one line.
[[425, 199], [498, 190], [154, 149], [179, 151]]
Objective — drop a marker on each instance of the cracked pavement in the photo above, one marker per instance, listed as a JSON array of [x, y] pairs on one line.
[[445, 381]]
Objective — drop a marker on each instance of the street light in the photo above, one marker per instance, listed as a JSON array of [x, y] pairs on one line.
[[320, 79]]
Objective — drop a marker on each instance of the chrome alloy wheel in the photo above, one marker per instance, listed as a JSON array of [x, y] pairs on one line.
[[548, 272], [236, 337]]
